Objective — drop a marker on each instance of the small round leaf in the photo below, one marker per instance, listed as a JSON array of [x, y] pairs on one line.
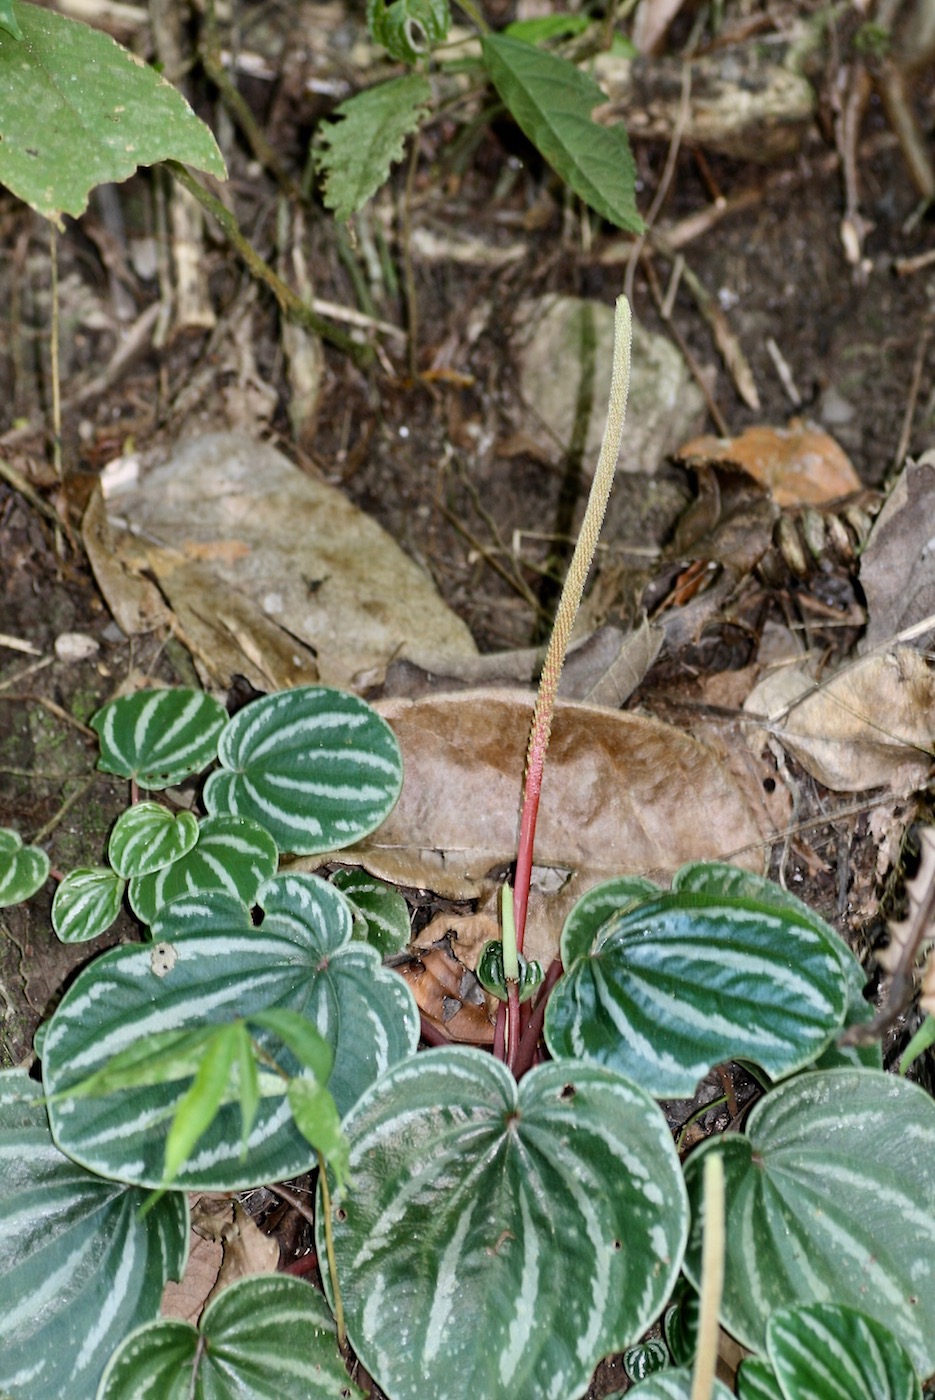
[[147, 837], [86, 903], [232, 854], [23, 869], [381, 915], [159, 737]]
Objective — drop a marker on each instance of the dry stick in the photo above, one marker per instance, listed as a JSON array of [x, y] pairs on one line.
[[712, 1277], [565, 615]]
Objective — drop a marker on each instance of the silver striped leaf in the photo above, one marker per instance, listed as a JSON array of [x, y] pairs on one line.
[[592, 911], [78, 1267], [159, 737], [299, 959], [318, 768], [499, 1239], [264, 1338], [684, 981], [232, 854], [756, 1380], [823, 1352], [23, 869], [86, 903], [645, 1359], [830, 1198], [670, 1385], [147, 837], [381, 913]]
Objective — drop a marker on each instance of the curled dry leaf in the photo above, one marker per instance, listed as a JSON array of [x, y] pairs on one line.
[[909, 935], [622, 794], [897, 567], [442, 980], [800, 464], [871, 724]]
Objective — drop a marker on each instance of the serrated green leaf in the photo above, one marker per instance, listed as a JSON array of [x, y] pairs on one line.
[[232, 854], [204, 974], [23, 869], [79, 1268], [77, 110], [670, 1385], [756, 1380], [685, 981], [551, 102], [381, 915], [830, 1197], [521, 1232], [354, 155], [159, 737], [147, 837], [408, 29], [262, 1338], [317, 1119], [8, 20], [86, 903], [318, 768], [824, 1352]]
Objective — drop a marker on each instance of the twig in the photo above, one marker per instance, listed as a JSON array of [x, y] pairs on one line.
[[54, 350], [720, 422], [905, 432], [409, 275], [668, 170]]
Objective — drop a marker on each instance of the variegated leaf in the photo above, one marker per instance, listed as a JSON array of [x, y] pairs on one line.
[[830, 1197], [756, 1380], [824, 1352], [645, 1359], [670, 1385], [596, 907], [208, 966], [159, 737], [232, 854], [147, 837], [23, 869], [682, 982], [500, 1239], [78, 1267], [381, 913], [318, 768], [263, 1338], [86, 903]]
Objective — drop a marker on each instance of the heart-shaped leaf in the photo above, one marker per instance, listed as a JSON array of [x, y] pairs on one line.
[[262, 1338], [836, 1353], [23, 869], [381, 915], [682, 982], [159, 737], [79, 1266], [830, 1195], [317, 767], [232, 854], [86, 903], [147, 837], [208, 967], [595, 907], [500, 1239]]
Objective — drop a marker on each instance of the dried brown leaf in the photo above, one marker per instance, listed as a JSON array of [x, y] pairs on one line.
[[799, 464], [908, 935], [897, 567]]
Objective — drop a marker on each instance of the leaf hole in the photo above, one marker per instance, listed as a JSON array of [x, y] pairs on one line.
[[616, 1245], [567, 1092], [416, 35], [340, 1215]]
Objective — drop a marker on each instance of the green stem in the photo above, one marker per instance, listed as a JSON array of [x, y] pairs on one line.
[[474, 14], [923, 1038], [329, 1250], [508, 930]]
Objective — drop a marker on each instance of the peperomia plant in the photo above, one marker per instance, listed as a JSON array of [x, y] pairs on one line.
[[488, 1225]]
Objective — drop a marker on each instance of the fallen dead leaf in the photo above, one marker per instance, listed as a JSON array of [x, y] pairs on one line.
[[622, 794], [225, 1245], [799, 464], [134, 601], [897, 567], [441, 976]]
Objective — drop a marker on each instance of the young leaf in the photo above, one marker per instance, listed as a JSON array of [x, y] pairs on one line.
[[317, 1119], [527, 1230], [492, 977], [262, 1338], [835, 1166], [80, 1269], [232, 854], [147, 837], [551, 102], [645, 1359], [318, 768], [381, 916], [355, 154], [103, 113], [159, 737], [159, 1058], [199, 1107], [86, 903], [23, 869], [839, 1354], [408, 29], [307, 1045], [684, 981]]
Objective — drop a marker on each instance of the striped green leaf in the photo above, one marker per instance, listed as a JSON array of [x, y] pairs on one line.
[[756, 1380], [23, 869], [147, 837], [500, 1239], [830, 1198], [209, 966], [381, 915], [263, 1338], [232, 854], [670, 1385], [645, 1359], [684, 981], [159, 737], [78, 1267], [318, 768], [595, 907], [86, 903], [823, 1352]]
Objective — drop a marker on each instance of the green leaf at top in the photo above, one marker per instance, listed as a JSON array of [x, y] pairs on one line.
[[8, 20], [147, 837], [682, 982], [552, 101], [381, 915], [23, 869], [77, 110], [838, 1353], [159, 737], [517, 1233], [86, 903], [232, 854], [830, 1196], [318, 768], [80, 1269], [263, 1338], [408, 29], [354, 155]]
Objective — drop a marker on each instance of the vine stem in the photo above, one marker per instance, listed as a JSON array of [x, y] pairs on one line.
[[565, 615], [712, 1277]]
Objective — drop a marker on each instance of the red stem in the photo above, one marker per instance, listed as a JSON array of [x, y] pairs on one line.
[[527, 837]]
